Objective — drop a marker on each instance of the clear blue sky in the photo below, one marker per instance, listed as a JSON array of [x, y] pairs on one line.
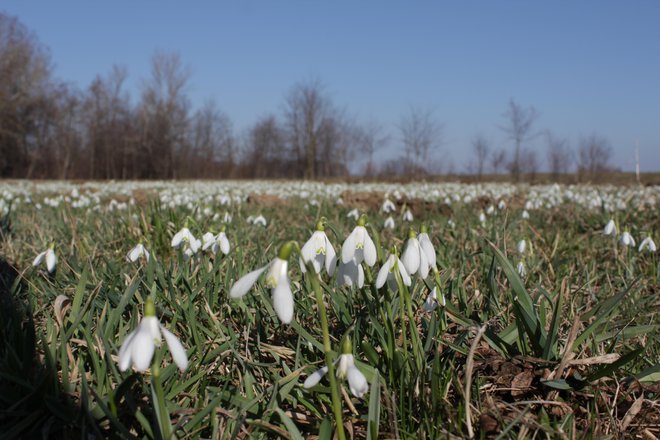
[[587, 66]]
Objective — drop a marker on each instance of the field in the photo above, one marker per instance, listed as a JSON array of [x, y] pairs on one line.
[[553, 338]]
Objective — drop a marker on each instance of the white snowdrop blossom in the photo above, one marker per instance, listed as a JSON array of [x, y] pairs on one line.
[[137, 252], [525, 215], [277, 279], [350, 274], [346, 369], [407, 216], [427, 246], [627, 239], [216, 242], [186, 241], [431, 301], [388, 206], [414, 257], [490, 209], [482, 218], [521, 269], [139, 346], [649, 244], [359, 246], [501, 205], [387, 273], [354, 214], [522, 245], [389, 223], [319, 251], [260, 220], [49, 256], [610, 228]]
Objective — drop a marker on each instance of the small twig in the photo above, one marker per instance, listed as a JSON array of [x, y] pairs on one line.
[[468, 379]]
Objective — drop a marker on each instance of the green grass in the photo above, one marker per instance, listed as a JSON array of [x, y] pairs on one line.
[[583, 297]]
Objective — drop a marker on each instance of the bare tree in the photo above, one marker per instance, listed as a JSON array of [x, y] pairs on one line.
[[498, 159], [211, 152], [420, 134], [481, 150], [558, 154], [371, 138], [518, 128], [594, 155], [267, 154]]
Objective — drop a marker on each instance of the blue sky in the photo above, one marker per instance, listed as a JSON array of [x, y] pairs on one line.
[[587, 66]]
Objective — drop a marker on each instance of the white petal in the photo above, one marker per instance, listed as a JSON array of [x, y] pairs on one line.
[[360, 282], [241, 287], [370, 254], [346, 361], [125, 352], [51, 260], [424, 266], [176, 348], [410, 257], [427, 247], [142, 349], [383, 272], [348, 248], [283, 300], [146, 255], [404, 275], [357, 382], [315, 377], [133, 254], [178, 238], [224, 243], [208, 240], [37, 261]]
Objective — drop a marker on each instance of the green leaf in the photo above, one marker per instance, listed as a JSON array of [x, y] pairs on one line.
[[290, 425], [373, 418]]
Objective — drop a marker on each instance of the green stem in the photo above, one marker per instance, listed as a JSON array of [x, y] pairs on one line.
[[327, 348], [163, 417]]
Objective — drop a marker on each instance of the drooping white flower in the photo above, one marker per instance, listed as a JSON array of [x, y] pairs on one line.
[[277, 279], [260, 220], [627, 239], [522, 245], [525, 214], [387, 273], [407, 216], [216, 242], [353, 213], [389, 223], [346, 369], [431, 301], [187, 242], [482, 218], [490, 209], [647, 243], [139, 346], [319, 251], [414, 257], [359, 246], [49, 256], [501, 205], [521, 269], [610, 228], [427, 246], [138, 251], [388, 206], [350, 274]]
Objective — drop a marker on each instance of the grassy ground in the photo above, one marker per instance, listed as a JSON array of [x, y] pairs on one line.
[[568, 351]]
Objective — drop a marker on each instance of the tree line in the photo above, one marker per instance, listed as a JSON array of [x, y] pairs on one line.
[[52, 129]]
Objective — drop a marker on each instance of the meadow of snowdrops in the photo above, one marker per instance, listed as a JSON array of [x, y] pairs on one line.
[[213, 310]]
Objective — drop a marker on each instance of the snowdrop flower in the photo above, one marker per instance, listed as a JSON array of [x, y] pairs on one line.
[[522, 245], [521, 269], [387, 273], [427, 245], [319, 251], [482, 217], [525, 215], [389, 223], [627, 239], [227, 218], [186, 241], [407, 216], [501, 205], [610, 228], [490, 209], [432, 300], [139, 346], [138, 251], [350, 274], [388, 206], [346, 368], [359, 246], [414, 257], [353, 213], [452, 224], [277, 279], [647, 243], [260, 220], [49, 256], [216, 242]]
